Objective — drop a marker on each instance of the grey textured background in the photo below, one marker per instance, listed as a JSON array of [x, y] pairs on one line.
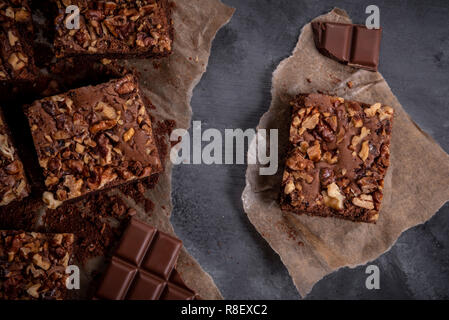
[[235, 92]]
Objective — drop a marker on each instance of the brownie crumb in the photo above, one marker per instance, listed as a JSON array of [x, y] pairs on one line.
[[89, 220], [162, 131]]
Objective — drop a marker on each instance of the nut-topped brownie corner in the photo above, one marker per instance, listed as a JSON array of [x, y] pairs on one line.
[[13, 182], [33, 265], [115, 29], [338, 158], [16, 34], [92, 138]]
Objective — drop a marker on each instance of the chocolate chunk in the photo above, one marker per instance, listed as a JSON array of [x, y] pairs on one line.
[[354, 45], [143, 267]]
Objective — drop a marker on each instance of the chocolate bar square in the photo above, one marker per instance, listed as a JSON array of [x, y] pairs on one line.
[[339, 156], [143, 267]]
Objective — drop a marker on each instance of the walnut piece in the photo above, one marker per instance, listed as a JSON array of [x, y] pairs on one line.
[[371, 111], [386, 113], [314, 152], [364, 201], [310, 123], [128, 135], [357, 139], [364, 152], [50, 201], [333, 197], [289, 187]]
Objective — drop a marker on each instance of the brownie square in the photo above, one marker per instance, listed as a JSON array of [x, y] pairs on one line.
[[13, 182], [92, 138], [115, 29], [16, 35], [33, 265], [338, 158]]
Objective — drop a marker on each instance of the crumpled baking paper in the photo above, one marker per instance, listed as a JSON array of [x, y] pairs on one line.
[[416, 186], [169, 85]]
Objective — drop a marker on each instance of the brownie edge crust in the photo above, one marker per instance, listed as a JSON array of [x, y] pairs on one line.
[[338, 158]]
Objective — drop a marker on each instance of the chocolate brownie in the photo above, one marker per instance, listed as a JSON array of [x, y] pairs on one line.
[[338, 158], [115, 29], [92, 138], [16, 34], [33, 265], [13, 183]]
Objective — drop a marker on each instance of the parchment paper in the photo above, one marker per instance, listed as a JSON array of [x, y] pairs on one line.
[[416, 186], [170, 86]]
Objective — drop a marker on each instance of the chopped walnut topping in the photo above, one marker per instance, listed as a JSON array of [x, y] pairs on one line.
[[314, 152], [364, 152], [333, 197], [357, 139], [289, 187], [371, 111], [310, 123], [386, 113], [364, 201], [50, 201]]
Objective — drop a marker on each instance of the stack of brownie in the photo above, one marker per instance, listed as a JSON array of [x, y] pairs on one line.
[[87, 140]]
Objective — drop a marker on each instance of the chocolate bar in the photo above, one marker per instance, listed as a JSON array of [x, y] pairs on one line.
[[143, 267], [339, 156], [354, 45]]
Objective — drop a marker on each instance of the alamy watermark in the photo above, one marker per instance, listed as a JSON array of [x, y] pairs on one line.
[[72, 282], [226, 147], [373, 20], [72, 21], [373, 280]]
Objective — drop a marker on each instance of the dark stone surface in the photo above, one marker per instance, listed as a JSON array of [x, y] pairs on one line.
[[235, 92]]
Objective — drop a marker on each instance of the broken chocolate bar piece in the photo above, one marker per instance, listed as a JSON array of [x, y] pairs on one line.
[[339, 156], [92, 138], [33, 265], [16, 35], [354, 45], [143, 267], [13, 183], [115, 29]]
